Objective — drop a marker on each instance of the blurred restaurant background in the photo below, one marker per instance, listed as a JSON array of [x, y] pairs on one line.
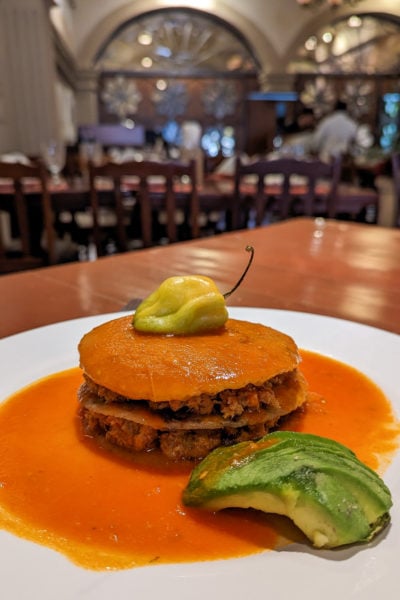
[[85, 82]]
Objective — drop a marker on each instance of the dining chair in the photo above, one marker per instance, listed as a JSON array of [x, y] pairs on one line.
[[354, 202], [22, 185], [156, 186], [283, 185], [395, 159]]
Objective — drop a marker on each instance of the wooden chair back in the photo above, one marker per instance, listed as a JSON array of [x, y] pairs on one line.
[[396, 183], [175, 186], [280, 196], [16, 175]]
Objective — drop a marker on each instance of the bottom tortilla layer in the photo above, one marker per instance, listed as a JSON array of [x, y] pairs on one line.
[[176, 445]]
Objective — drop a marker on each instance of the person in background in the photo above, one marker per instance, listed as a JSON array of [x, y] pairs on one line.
[[304, 121], [334, 134], [298, 134]]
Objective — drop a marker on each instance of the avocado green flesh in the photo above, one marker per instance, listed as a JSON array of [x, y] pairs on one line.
[[319, 484]]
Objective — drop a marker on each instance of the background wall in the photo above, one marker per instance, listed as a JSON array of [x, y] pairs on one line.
[[273, 28]]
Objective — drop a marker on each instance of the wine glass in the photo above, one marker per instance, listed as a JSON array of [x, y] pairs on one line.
[[53, 154]]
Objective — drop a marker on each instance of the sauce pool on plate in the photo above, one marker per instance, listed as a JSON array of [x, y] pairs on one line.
[[106, 510]]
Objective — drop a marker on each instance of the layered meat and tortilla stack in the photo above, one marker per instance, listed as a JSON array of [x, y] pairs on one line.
[[186, 394]]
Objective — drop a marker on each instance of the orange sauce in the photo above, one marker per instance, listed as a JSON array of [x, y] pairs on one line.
[[105, 510]]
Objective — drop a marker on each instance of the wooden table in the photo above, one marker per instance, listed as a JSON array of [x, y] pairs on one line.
[[345, 270]]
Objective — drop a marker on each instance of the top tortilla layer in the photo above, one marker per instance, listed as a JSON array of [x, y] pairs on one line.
[[161, 368]]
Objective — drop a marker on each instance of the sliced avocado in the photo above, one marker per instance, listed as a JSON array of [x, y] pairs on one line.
[[318, 483]]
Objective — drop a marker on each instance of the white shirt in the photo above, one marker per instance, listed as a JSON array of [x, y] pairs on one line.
[[334, 135]]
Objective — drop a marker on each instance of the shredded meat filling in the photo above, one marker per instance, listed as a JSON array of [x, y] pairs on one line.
[[244, 414], [228, 403]]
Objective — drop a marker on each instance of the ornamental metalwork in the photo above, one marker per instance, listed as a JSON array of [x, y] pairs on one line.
[[172, 101], [220, 99], [120, 96], [320, 95]]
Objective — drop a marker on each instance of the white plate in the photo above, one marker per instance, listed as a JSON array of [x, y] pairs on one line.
[[30, 571]]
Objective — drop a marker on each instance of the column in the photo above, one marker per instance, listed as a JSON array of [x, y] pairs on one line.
[[87, 97], [28, 113]]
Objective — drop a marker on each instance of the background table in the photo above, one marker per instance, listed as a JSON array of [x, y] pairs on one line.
[[346, 270]]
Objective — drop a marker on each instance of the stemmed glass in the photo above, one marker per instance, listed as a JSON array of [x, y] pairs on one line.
[[53, 154]]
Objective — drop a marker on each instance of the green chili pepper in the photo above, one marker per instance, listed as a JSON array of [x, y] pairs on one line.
[[182, 305], [185, 305]]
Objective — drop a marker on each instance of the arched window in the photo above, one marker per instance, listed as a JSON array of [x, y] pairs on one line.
[[357, 59], [177, 42], [359, 44], [174, 65]]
